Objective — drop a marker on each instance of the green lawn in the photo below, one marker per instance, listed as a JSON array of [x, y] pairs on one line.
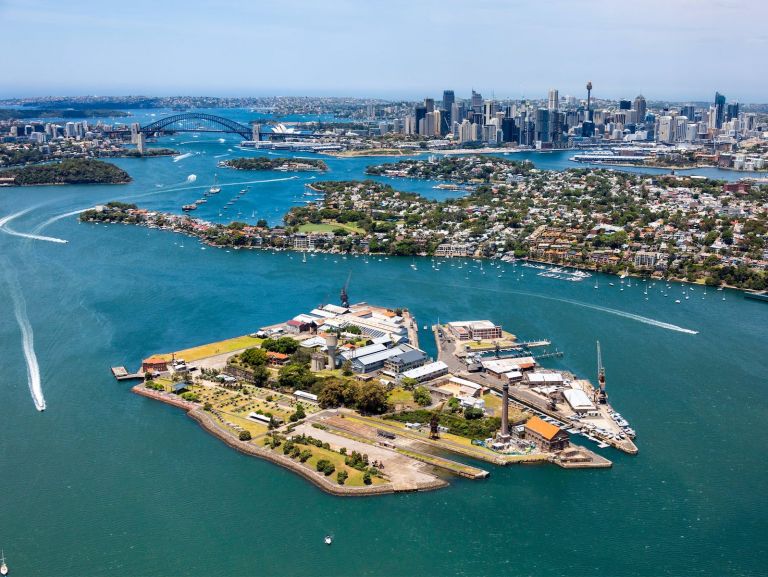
[[211, 349], [330, 227]]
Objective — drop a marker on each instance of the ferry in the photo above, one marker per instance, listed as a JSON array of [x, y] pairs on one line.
[[215, 188], [188, 207]]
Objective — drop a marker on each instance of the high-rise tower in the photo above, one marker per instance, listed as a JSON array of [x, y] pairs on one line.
[[589, 100]]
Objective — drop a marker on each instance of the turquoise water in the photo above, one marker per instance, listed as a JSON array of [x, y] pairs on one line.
[[108, 483]]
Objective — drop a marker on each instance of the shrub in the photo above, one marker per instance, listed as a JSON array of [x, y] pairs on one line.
[[421, 396], [245, 435]]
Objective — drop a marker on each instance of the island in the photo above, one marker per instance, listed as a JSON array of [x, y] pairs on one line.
[[286, 164], [69, 171], [148, 152], [358, 414]]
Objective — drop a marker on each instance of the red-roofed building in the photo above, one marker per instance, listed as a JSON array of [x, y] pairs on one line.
[[278, 359], [546, 436]]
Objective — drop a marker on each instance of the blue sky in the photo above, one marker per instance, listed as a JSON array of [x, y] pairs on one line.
[[668, 49]]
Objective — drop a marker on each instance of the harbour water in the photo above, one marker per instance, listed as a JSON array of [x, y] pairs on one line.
[[108, 483]]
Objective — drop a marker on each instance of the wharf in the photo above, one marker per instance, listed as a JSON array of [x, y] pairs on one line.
[[122, 374]]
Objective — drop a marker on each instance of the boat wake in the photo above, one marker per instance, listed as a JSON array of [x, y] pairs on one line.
[[39, 228], [626, 315], [182, 156], [27, 340], [617, 312], [4, 227]]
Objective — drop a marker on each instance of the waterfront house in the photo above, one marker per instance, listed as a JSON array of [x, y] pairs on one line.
[[154, 364]]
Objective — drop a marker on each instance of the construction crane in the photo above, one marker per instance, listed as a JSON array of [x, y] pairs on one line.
[[603, 397], [344, 295], [434, 421]]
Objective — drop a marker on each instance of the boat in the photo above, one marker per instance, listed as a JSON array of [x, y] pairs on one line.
[[328, 540], [188, 207], [201, 201], [624, 274], [215, 188], [3, 567]]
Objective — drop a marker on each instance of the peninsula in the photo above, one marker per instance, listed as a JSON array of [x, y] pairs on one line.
[[69, 171], [673, 227], [344, 396], [286, 164]]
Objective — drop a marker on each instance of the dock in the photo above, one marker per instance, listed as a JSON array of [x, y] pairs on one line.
[[122, 374]]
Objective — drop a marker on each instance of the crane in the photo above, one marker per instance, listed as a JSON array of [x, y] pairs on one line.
[[434, 421], [603, 398], [344, 296]]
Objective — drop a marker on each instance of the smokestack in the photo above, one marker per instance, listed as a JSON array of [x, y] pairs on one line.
[[505, 411]]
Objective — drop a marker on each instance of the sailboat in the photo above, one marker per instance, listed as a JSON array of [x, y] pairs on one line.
[[305, 257], [215, 189], [596, 283], [3, 567]]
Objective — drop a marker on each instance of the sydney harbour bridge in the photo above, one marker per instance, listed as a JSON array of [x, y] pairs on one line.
[[202, 122]]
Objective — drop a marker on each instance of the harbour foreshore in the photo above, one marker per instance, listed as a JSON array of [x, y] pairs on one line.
[[207, 422]]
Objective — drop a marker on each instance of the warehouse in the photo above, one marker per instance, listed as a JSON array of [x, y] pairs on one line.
[[545, 436], [427, 372]]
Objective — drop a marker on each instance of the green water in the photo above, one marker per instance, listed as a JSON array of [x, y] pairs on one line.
[[108, 483]]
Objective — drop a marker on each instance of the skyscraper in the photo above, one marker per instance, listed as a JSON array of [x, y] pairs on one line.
[[642, 108], [553, 100], [477, 101], [719, 109], [732, 111], [430, 104], [419, 112], [589, 100], [446, 117], [625, 105], [542, 125]]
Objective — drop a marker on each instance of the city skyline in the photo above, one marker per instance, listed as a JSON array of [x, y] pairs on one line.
[[670, 51]]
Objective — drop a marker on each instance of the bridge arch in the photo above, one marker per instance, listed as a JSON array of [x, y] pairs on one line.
[[190, 122]]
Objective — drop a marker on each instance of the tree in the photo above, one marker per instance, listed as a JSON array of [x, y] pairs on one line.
[[245, 435], [298, 414], [337, 393], [454, 405], [341, 477], [254, 357], [305, 455], [372, 398], [353, 330], [367, 478], [409, 383], [346, 368], [295, 377], [421, 396], [471, 413], [260, 376]]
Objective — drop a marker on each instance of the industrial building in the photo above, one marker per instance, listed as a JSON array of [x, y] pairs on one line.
[[427, 372], [579, 402], [545, 436], [475, 330], [509, 369], [405, 361]]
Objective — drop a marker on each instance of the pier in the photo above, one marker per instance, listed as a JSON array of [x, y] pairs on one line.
[[122, 374]]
